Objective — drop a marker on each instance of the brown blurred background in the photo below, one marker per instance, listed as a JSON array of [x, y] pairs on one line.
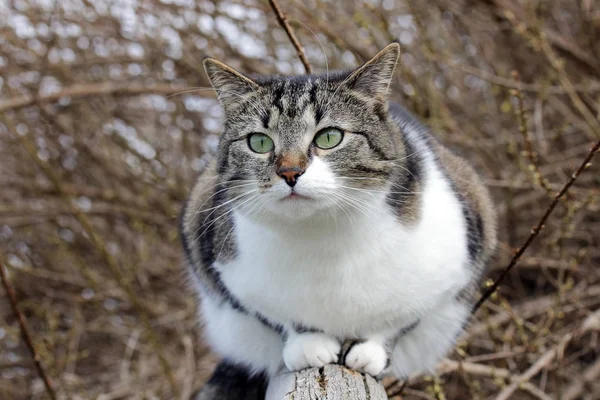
[[105, 117]]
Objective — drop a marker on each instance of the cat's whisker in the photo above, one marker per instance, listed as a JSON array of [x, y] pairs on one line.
[[351, 201], [201, 210], [264, 211], [259, 108], [332, 97], [322, 48], [367, 191], [332, 212], [419, 152], [218, 192], [254, 204], [381, 191], [361, 178], [227, 201], [220, 183], [365, 207], [367, 202], [407, 170], [337, 202], [228, 213], [239, 196], [225, 241], [401, 165], [244, 183], [342, 202], [405, 191], [204, 222]]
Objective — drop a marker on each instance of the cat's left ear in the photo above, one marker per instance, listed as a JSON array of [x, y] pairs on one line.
[[229, 84], [374, 77]]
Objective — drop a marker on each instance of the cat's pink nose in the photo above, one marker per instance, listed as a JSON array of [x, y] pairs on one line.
[[290, 175]]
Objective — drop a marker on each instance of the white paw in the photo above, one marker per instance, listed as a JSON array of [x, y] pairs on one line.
[[368, 357], [310, 350]]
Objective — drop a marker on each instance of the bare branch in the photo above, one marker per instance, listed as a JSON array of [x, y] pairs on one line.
[[288, 29], [102, 248], [24, 330], [92, 89], [475, 369], [552, 354], [538, 228], [521, 115]]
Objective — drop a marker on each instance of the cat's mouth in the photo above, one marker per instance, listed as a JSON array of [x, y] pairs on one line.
[[295, 196]]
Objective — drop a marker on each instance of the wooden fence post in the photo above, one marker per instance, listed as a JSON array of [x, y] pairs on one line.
[[332, 382]]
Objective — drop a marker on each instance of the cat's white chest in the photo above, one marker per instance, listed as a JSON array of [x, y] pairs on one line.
[[366, 275]]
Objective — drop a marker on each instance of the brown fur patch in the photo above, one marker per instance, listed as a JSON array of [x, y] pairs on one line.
[[411, 208], [292, 160]]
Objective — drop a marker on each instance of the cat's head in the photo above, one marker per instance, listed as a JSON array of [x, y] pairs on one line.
[[297, 146]]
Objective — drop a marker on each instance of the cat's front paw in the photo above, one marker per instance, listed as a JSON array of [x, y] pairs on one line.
[[368, 357], [310, 350]]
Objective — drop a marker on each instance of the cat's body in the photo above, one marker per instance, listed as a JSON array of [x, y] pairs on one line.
[[379, 241]]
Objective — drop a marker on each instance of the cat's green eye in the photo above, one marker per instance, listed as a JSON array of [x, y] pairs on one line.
[[260, 143], [328, 138]]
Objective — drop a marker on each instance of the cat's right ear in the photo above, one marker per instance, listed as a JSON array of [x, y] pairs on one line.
[[374, 77], [229, 84]]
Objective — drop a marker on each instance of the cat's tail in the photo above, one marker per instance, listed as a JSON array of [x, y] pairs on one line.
[[232, 381]]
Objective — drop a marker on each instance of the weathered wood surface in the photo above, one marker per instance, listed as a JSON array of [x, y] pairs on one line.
[[333, 382]]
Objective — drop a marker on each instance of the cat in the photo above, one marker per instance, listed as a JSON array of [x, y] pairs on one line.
[[332, 227]]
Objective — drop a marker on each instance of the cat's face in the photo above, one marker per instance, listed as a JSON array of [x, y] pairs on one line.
[[294, 147]]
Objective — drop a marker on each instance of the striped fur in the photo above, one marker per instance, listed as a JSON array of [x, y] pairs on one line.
[[383, 239]]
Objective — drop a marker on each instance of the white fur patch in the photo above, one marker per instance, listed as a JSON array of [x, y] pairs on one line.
[[368, 357], [241, 337], [422, 348], [351, 269], [310, 349]]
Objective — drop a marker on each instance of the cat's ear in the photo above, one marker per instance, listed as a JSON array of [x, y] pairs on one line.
[[227, 82], [374, 77]]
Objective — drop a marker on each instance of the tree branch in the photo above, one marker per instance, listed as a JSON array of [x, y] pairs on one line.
[[288, 29], [537, 229], [102, 248], [591, 323], [91, 89], [24, 330], [492, 372]]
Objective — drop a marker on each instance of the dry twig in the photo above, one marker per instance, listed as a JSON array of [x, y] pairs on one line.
[[288, 30], [110, 259], [523, 128], [12, 298], [535, 231], [92, 89], [590, 323], [102, 117]]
